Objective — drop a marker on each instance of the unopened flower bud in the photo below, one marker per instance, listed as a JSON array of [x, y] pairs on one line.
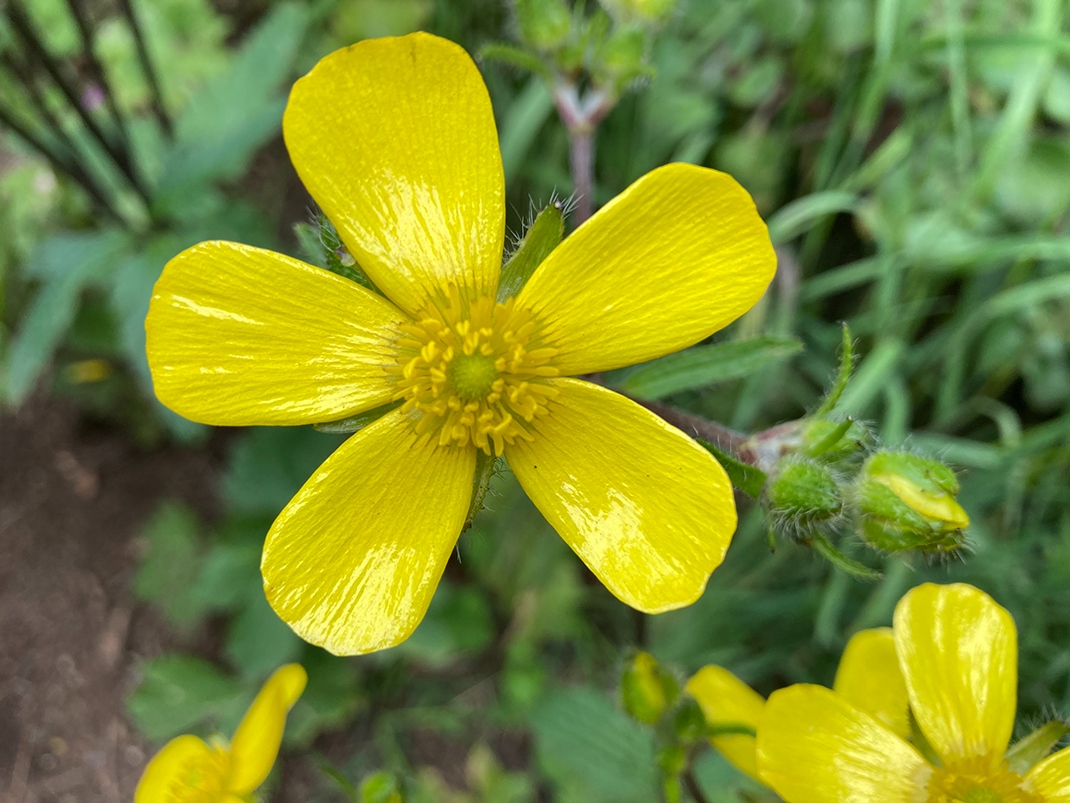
[[544, 24], [908, 502], [648, 11], [647, 690], [381, 787], [623, 53], [802, 493]]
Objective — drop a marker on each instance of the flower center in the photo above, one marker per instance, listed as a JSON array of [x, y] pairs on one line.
[[971, 782], [474, 372], [201, 779]]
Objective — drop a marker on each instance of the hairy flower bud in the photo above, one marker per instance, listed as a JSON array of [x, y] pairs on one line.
[[908, 502], [802, 493], [643, 10], [544, 24], [647, 690]]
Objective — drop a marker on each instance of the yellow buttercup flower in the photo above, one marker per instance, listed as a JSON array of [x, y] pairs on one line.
[[868, 676], [395, 140], [958, 652], [189, 770]]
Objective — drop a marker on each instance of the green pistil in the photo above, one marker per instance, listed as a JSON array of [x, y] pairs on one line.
[[472, 376]]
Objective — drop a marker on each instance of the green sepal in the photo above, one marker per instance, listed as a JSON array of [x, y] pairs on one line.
[[515, 57], [749, 479], [539, 240], [825, 549], [355, 423], [843, 375], [647, 691], [485, 465], [1031, 749], [323, 246], [831, 439]]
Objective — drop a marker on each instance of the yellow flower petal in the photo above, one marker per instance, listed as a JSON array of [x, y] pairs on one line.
[[816, 747], [395, 139], [168, 768], [256, 742], [238, 335], [352, 562], [678, 255], [727, 700], [646, 508], [958, 651], [869, 676], [1051, 777]]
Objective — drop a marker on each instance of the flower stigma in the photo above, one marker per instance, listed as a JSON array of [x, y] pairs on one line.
[[474, 372], [964, 783]]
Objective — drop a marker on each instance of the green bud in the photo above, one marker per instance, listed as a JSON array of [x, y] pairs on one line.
[[801, 494], [908, 502], [381, 787], [689, 723], [544, 24], [834, 440], [648, 11], [623, 55], [646, 690]]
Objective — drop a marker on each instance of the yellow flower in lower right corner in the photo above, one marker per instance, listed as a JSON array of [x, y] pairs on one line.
[[958, 652], [868, 676]]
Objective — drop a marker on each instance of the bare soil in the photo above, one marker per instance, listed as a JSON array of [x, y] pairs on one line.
[[73, 498]]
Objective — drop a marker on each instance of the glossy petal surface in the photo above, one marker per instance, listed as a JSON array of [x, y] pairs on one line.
[[869, 676], [352, 561], [678, 255], [395, 139], [816, 747], [959, 653], [167, 768], [256, 742], [727, 700], [644, 506], [1051, 777], [240, 336]]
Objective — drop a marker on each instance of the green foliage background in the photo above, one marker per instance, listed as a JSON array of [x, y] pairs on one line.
[[912, 159]]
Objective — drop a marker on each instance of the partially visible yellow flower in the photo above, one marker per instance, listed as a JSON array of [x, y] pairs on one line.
[[395, 140], [868, 675], [958, 652], [189, 770]]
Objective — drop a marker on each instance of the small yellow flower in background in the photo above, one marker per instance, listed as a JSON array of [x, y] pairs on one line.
[[189, 770], [868, 675], [958, 653], [395, 140]]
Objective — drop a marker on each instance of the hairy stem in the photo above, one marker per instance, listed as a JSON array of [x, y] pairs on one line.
[[581, 158], [719, 435]]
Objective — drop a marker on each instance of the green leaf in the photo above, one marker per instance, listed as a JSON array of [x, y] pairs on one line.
[[331, 698], [798, 216], [223, 126], [543, 237], [180, 692], [168, 573], [704, 365], [66, 263], [258, 641], [585, 742], [749, 479], [269, 465]]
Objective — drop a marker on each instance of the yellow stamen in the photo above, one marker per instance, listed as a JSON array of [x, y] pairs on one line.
[[474, 373]]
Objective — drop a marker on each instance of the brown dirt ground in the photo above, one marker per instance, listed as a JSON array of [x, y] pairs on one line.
[[72, 501]]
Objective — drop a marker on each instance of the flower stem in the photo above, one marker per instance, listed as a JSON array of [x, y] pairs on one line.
[[719, 435], [581, 157], [693, 789]]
